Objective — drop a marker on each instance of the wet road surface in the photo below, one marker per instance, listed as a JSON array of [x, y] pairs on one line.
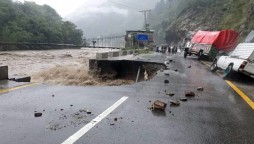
[[242, 81], [216, 115]]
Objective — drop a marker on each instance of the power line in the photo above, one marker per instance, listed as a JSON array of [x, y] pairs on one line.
[[146, 25]]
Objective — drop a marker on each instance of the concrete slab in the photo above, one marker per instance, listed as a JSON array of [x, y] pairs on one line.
[[3, 72], [21, 79]]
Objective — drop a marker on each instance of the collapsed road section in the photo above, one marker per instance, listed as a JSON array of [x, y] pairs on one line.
[[124, 69]]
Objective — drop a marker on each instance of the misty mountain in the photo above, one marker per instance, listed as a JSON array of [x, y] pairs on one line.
[[111, 17]]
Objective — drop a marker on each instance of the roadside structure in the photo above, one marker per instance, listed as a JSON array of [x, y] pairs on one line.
[[139, 39]]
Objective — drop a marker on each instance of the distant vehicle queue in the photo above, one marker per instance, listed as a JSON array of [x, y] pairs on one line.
[[167, 49], [222, 48]]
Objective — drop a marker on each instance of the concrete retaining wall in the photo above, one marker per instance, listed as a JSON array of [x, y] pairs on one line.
[[3, 72]]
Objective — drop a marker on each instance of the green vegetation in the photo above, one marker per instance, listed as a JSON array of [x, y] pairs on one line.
[[239, 16], [172, 19], [32, 23]]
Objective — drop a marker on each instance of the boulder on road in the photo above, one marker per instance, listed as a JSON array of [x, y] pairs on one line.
[[190, 94], [159, 105]]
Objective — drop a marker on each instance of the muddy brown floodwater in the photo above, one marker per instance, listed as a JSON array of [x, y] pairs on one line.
[[64, 67]]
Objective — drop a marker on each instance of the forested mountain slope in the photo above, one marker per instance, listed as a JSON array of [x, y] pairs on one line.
[[29, 22], [174, 20]]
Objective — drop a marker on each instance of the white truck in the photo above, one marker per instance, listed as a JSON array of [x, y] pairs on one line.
[[240, 60]]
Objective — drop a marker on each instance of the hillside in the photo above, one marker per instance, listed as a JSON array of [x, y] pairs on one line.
[[178, 19], [29, 22]]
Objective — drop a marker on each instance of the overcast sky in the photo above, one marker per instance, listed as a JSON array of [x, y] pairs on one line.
[[67, 7], [101, 17]]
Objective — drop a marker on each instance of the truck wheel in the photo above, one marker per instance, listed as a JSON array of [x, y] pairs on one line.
[[213, 67], [227, 72], [185, 54], [200, 54]]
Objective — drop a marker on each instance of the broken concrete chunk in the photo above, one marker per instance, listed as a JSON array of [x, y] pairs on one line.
[[166, 62], [166, 74], [183, 99], [166, 81], [170, 94], [174, 103], [112, 124], [37, 114], [82, 111], [145, 75], [200, 89], [159, 105], [190, 94], [88, 112], [22, 79], [167, 68]]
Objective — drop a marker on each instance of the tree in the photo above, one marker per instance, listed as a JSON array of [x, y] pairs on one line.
[[29, 22], [71, 34]]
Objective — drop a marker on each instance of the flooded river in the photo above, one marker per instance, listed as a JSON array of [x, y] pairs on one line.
[[65, 67]]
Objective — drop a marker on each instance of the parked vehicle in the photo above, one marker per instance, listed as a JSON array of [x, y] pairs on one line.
[[201, 50], [209, 43], [240, 60]]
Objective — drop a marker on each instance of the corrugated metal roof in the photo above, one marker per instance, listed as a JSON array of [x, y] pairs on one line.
[[243, 50]]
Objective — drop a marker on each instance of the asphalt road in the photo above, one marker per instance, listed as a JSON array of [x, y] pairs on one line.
[[216, 115]]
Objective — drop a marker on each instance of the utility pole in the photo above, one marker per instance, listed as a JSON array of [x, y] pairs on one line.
[[146, 25]]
